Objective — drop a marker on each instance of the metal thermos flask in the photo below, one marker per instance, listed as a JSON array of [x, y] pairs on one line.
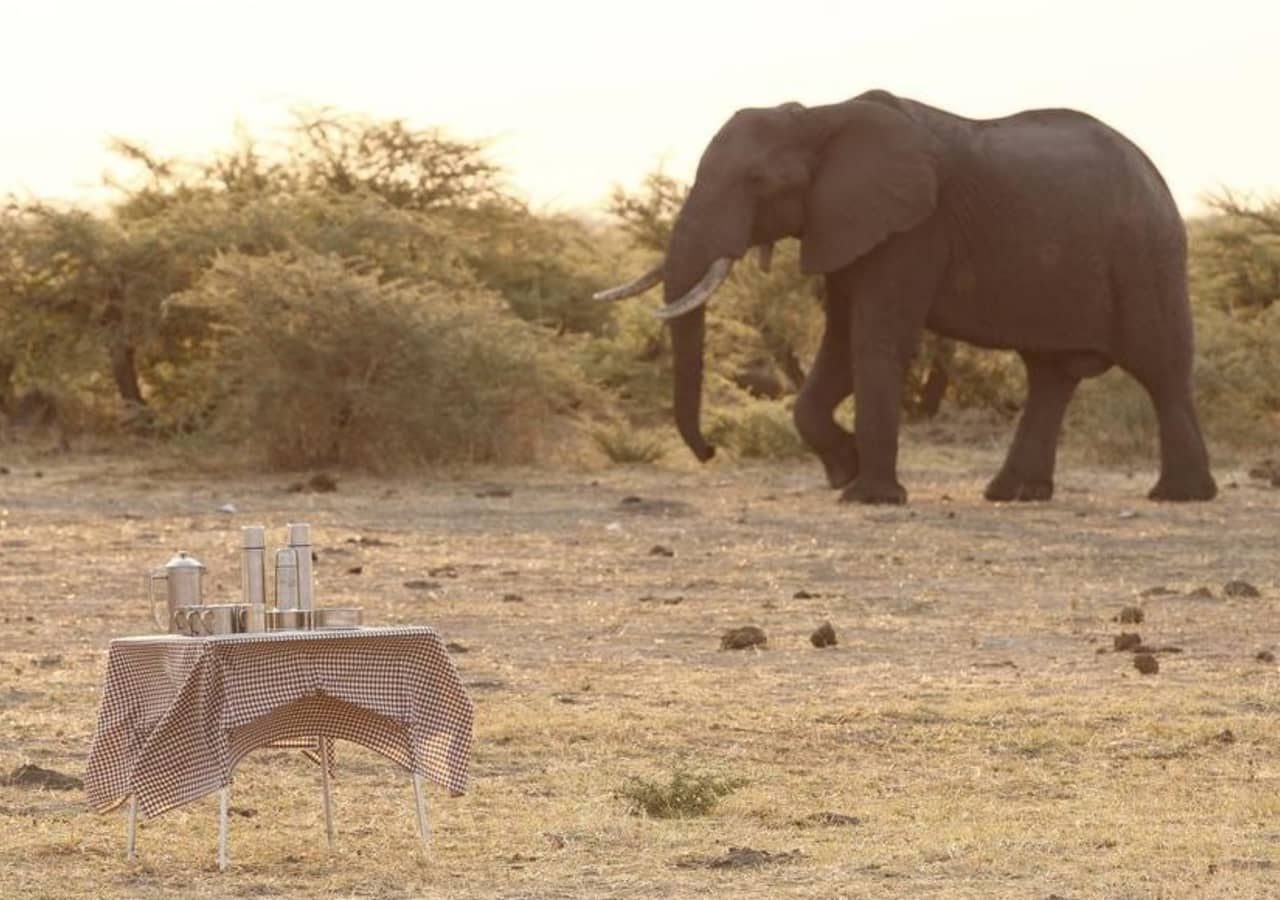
[[253, 577], [286, 578], [300, 543]]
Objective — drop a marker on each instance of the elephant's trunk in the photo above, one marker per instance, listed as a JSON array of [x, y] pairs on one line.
[[688, 335]]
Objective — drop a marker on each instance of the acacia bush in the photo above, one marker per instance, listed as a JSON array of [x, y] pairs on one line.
[[319, 362]]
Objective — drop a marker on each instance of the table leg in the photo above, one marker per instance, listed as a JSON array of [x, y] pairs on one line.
[[131, 848], [223, 801], [325, 762], [420, 805]]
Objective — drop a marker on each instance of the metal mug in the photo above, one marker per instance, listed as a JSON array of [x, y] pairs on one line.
[[218, 618], [182, 586], [185, 620], [289, 619]]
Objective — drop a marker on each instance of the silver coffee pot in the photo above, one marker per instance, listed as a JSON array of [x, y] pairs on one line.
[[179, 583]]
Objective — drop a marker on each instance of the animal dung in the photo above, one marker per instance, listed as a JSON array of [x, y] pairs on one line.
[[743, 638], [322, 483], [33, 776], [1146, 663], [823, 636], [1239, 588], [1131, 615], [1127, 640]]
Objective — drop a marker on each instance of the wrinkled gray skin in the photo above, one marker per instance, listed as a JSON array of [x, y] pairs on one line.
[[1045, 232]]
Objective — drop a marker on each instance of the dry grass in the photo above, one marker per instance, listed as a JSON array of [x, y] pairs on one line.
[[969, 718]]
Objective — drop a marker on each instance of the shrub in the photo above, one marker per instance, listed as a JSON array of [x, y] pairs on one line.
[[758, 429], [313, 362], [626, 444], [686, 795]]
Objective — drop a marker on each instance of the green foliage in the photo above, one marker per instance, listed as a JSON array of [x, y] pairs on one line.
[[1235, 255], [627, 445], [319, 363], [757, 429], [686, 795], [646, 217]]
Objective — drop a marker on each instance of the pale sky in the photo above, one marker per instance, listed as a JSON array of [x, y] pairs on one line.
[[578, 96]]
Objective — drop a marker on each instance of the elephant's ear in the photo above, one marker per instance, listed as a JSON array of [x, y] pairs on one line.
[[876, 176]]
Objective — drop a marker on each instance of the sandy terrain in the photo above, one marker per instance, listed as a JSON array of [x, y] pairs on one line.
[[974, 729]]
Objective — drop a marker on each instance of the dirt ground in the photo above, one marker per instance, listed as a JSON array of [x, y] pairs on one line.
[[972, 733]]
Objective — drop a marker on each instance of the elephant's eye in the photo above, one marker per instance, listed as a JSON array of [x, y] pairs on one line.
[[763, 181]]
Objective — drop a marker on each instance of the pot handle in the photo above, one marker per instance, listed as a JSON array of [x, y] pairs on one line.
[[162, 576]]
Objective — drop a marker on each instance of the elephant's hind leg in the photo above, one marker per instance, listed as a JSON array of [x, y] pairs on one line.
[[1027, 473], [1184, 460]]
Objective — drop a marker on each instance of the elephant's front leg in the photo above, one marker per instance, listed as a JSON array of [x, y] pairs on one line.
[[828, 383], [878, 373]]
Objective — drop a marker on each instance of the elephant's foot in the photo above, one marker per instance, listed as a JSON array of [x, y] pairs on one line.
[[878, 491], [841, 465], [1183, 487], [1007, 486]]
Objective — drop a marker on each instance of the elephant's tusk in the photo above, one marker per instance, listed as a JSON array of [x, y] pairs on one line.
[[764, 257], [717, 272], [631, 288]]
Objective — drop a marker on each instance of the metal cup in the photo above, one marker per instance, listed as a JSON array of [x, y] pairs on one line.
[[289, 619], [220, 618], [186, 620]]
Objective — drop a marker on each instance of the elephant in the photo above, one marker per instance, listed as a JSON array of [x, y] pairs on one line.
[[1045, 232]]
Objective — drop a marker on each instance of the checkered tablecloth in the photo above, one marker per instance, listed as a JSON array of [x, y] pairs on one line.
[[178, 713]]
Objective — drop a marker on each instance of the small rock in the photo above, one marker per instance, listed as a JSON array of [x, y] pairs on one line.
[[244, 812], [1265, 656], [743, 638], [296, 487], [1127, 514], [443, 572], [322, 483], [824, 636], [494, 490], [422, 584], [356, 570], [1127, 640], [1238, 588], [1157, 591], [1266, 470], [228, 508], [512, 598], [1131, 615], [31, 775], [363, 541], [51, 661], [455, 647], [1146, 663], [659, 550], [1225, 736], [805, 595], [1201, 593]]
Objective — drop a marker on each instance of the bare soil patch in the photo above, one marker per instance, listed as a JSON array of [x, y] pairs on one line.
[[966, 722]]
